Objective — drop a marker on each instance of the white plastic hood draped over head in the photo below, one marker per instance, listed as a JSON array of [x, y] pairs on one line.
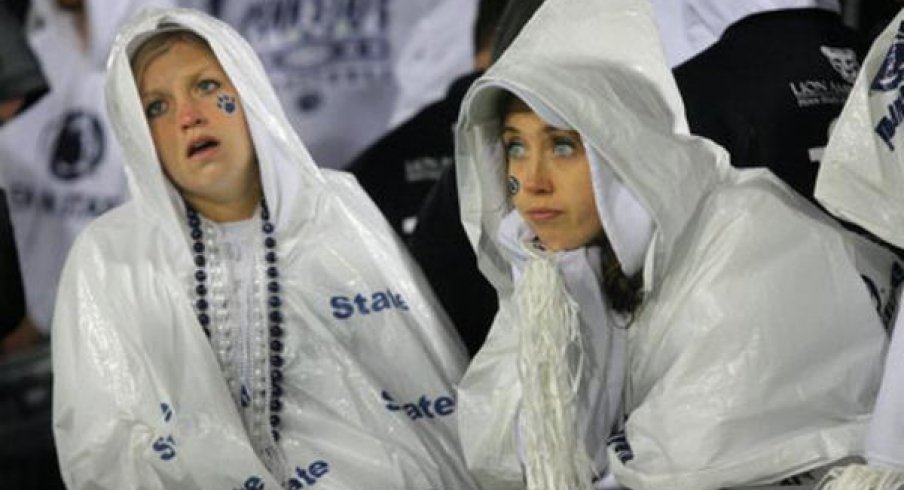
[[754, 300], [586, 68], [861, 176], [368, 361], [288, 173], [690, 26]]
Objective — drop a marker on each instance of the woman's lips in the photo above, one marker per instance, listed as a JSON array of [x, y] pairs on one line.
[[204, 153], [540, 215], [203, 147]]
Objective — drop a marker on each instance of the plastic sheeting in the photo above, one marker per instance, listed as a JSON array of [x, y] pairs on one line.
[[757, 352], [861, 175], [370, 361], [861, 180]]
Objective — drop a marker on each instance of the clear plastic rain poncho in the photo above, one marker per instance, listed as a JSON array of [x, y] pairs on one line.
[[368, 361], [757, 350], [861, 180]]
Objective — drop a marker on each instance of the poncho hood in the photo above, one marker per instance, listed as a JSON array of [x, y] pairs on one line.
[[288, 174], [862, 171], [626, 107]]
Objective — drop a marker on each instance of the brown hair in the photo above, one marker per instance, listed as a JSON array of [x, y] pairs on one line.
[[159, 44], [625, 293]]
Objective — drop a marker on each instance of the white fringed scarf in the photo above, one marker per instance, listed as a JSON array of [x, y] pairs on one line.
[[549, 363], [862, 477]]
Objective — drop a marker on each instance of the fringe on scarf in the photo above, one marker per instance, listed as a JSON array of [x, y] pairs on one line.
[[862, 477], [555, 456]]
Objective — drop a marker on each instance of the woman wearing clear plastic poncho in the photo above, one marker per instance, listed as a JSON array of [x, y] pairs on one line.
[[709, 319], [861, 181], [324, 362]]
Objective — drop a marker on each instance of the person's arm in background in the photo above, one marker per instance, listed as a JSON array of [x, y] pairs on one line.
[[17, 331], [12, 308], [25, 335]]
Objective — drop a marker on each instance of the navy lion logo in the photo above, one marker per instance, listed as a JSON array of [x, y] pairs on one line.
[[890, 72], [78, 146]]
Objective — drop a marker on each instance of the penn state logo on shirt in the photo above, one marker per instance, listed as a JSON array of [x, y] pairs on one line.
[[76, 144], [844, 61], [890, 72]]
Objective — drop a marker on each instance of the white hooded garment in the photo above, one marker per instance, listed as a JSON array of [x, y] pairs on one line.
[[861, 180], [139, 397], [756, 352]]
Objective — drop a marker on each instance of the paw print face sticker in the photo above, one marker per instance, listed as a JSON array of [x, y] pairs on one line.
[[514, 185], [226, 103]]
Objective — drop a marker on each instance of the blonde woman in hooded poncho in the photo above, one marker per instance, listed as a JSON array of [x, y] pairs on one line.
[[246, 320], [749, 348]]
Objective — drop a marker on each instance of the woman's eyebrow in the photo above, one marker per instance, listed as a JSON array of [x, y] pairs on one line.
[[146, 93], [193, 77]]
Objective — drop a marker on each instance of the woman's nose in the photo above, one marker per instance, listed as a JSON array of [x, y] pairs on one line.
[[536, 177], [190, 115]]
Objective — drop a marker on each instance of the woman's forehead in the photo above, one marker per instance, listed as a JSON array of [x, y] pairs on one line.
[[180, 58], [162, 45], [523, 119], [514, 104], [515, 111]]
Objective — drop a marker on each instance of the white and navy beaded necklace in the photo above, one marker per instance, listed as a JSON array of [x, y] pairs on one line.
[[264, 396]]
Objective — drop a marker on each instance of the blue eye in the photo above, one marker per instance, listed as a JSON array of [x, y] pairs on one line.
[[208, 85], [564, 147], [515, 150], [154, 109]]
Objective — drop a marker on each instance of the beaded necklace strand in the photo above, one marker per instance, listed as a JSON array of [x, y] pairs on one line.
[[274, 303]]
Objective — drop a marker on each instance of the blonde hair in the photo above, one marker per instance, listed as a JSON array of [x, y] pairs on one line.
[[160, 44]]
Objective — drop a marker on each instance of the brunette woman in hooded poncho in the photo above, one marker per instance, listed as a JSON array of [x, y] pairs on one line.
[[709, 322]]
